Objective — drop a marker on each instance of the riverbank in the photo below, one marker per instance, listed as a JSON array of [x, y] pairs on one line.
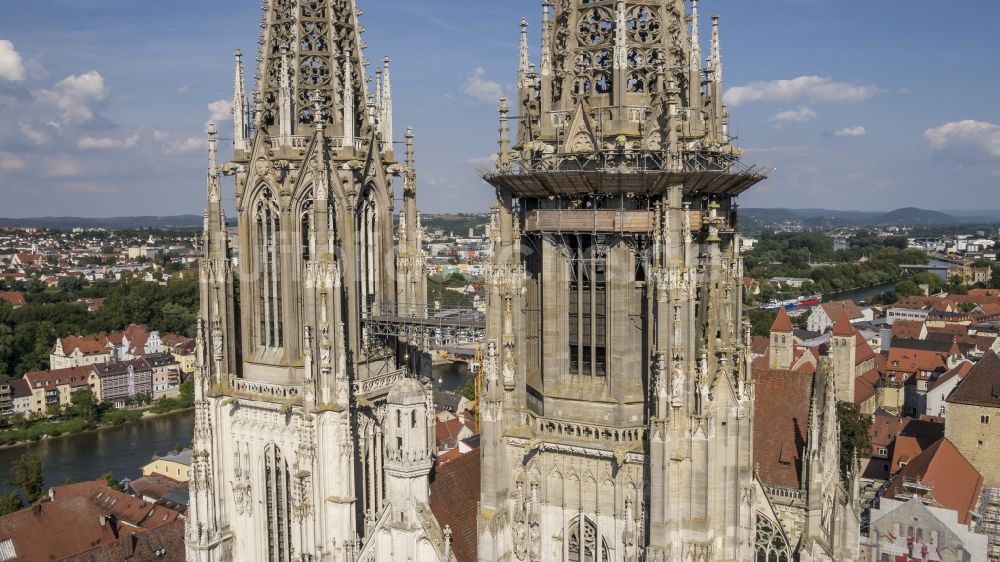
[[48, 430]]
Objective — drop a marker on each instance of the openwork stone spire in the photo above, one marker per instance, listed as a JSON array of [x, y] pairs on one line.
[[320, 42]]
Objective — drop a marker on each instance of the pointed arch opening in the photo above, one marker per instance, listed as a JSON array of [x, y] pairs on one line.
[[770, 544], [267, 245], [585, 544], [277, 486]]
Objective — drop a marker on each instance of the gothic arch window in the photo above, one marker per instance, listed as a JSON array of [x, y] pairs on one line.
[[307, 232], [770, 545], [267, 244], [277, 485], [583, 542], [371, 250]]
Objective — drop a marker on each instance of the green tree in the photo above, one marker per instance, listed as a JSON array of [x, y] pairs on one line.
[[855, 435], [907, 289], [26, 472], [761, 322], [10, 502], [85, 404], [110, 479]]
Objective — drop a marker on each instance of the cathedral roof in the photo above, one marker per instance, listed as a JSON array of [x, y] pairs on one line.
[[455, 502], [407, 392], [781, 425]]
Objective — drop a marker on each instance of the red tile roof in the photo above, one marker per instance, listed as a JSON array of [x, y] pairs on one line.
[[455, 502], [842, 323], [781, 426], [74, 514], [73, 376], [955, 484], [907, 329], [960, 371], [782, 323], [14, 298], [866, 386], [833, 309]]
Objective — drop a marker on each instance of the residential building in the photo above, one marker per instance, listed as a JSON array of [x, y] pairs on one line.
[[91, 522], [119, 381], [21, 396], [77, 351], [56, 387], [822, 317], [6, 399], [897, 313], [973, 415], [166, 374], [910, 529], [175, 466], [936, 397], [15, 299]]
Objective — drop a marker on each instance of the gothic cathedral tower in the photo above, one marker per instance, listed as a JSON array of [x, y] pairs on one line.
[[291, 392], [618, 407]]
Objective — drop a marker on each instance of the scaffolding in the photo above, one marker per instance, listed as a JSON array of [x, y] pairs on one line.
[[989, 520]]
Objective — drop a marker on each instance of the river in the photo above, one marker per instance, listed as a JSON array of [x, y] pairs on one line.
[[125, 449]]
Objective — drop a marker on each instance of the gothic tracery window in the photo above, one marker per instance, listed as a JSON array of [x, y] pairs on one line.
[[770, 545], [583, 542], [277, 484], [588, 304], [267, 226]]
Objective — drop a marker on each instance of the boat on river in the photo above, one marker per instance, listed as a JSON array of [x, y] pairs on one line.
[[795, 304]]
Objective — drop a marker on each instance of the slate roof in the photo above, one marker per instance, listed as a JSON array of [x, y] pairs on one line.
[[981, 387], [454, 501]]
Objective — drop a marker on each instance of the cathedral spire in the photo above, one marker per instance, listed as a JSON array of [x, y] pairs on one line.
[[240, 135], [285, 100], [546, 41], [386, 117], [715, 60], [695, 40], [523, 79], [348, 103]]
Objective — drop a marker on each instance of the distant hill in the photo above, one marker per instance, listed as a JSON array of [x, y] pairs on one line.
[[113, 223], [825, 218], [911, 216]]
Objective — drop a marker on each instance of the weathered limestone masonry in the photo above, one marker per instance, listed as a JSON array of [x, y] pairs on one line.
[[293, 397], [618, 410]]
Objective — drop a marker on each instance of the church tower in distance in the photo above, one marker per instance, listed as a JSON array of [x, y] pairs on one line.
[[618, 413], [289, 460]]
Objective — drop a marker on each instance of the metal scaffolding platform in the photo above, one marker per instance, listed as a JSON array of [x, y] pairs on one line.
[[437, 329]]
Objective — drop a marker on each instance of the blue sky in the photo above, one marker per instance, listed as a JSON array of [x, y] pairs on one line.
[[856, 105]]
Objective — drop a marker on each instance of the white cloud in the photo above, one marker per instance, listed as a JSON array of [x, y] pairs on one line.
[[482, 90], [9, 162], [184, 146], [804, 89], [95, 143], [973, 135], [77, 96], [183, 89], [11, 65], [60, 167], [851, 132], [220, 111], [801, 115], [36, 136]]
